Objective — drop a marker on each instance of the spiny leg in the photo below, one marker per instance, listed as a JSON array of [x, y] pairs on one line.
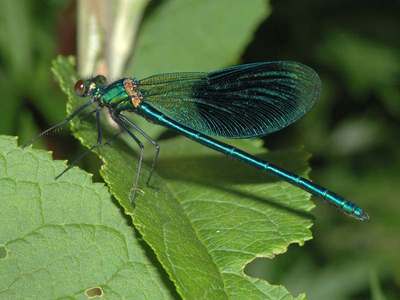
[[116, 117], [86, 152], [62, 123], [149, 139], [82, 155], [76, 160], [98, 125]]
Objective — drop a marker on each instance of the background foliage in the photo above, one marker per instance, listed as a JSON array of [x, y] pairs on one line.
[[352, 132]]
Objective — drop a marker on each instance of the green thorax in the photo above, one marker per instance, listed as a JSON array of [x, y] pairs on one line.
[[115, 95]]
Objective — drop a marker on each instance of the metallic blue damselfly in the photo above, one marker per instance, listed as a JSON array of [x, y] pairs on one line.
[[243, 101]]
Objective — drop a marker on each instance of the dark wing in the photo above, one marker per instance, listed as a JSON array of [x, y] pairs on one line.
[[238, 102]]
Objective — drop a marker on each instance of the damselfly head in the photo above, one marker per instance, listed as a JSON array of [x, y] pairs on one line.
[[89, 87], [80, 88]]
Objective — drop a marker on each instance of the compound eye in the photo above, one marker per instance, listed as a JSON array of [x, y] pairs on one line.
[[80, 88], [100, 80]]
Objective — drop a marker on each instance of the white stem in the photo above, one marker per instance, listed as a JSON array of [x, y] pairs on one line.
[[106, 34], [121, 42]]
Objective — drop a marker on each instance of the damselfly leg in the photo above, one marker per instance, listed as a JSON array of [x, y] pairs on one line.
[[149, 139], [79, 110], [126, 127], [98, 144]]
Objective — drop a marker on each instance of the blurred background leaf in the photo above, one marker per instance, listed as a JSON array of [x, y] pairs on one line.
[[28, 39], [187, 35]]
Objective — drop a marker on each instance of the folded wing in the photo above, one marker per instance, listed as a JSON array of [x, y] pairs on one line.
[[239, 102]]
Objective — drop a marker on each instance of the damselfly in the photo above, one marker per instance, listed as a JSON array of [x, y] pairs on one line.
[[243, 101]]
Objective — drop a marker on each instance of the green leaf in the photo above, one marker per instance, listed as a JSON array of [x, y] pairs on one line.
[[192, 35], [205, 225], [66, 238], [222, 216]]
